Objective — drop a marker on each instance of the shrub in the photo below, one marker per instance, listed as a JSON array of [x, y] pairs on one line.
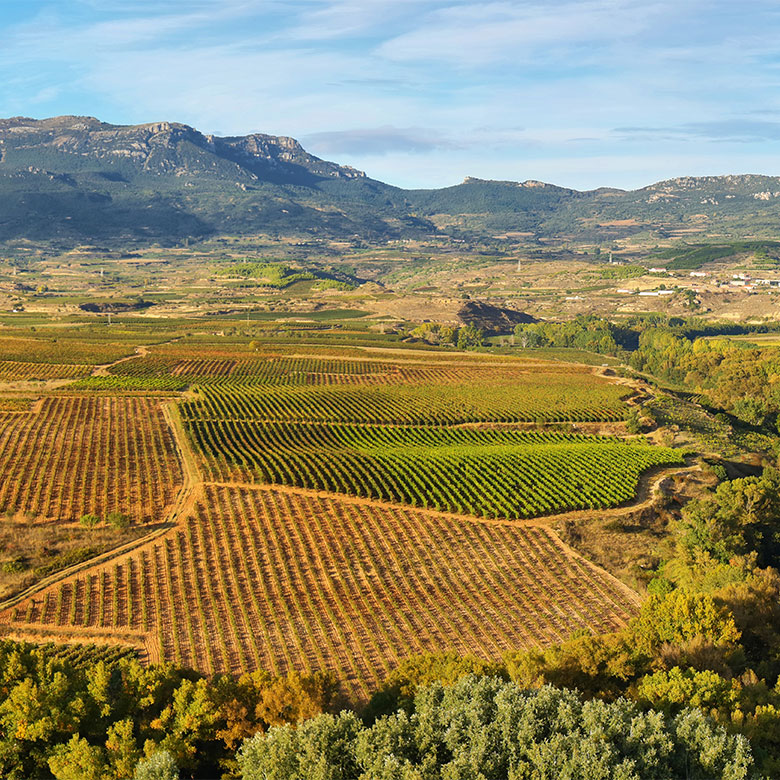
[[118, 520], [14, 566], [89, 520]]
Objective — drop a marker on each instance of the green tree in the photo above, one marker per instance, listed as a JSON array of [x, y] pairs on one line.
[[680, 617], [160, 765], [78, 760], [470, 336], [738, 518], [122, 749]]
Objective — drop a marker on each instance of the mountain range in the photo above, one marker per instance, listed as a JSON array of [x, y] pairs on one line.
[[76, 179]]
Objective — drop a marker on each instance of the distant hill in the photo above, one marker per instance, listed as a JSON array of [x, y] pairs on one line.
[[78, 179], [492, 319]]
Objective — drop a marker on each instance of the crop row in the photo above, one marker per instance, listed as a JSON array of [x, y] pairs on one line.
[[535, 399], [60, 350], [13, 370], [490, 473], [171, 369], [263, 578], [274, 370], [79, 455], [76, 656]]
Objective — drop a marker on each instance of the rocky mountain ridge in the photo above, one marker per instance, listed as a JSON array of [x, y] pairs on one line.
[[77, 179], [159, 148]]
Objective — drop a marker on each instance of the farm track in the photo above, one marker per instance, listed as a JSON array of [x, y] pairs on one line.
[[103, 370]]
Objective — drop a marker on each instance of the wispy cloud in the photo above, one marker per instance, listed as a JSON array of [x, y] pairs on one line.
[[422, 92], [372, 141], [485, 32], [740, 130]]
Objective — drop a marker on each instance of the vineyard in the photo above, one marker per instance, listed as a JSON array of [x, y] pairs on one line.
[[491, 473], [279, 580], [332, 508], [57, 351], [14, 371], [329, 389], [76, 656], [535, 398], [72, 456]]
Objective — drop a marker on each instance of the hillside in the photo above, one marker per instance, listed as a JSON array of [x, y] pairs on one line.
[[78, 179]]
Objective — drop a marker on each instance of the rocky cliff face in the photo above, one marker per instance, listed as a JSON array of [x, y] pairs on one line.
[[159, 148], [276, 151]]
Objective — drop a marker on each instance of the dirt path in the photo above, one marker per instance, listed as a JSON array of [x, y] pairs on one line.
[[189, 466], [102, 370]]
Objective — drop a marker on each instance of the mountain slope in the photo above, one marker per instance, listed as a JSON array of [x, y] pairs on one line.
[[77, 179]]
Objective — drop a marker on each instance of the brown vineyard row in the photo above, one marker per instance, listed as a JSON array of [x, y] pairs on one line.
[[278, 579]]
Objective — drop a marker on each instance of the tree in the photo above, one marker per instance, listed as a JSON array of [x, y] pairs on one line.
[[78, 760], [122, 749], [160, 765], [679, 617], [470, 336], [738, 518], [485, 727], [677, 688], [322, 748], [750, 410]]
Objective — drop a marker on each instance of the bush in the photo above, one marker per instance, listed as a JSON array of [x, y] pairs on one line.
[[89, 520], [118, 520], [14, 566], [634, 422]]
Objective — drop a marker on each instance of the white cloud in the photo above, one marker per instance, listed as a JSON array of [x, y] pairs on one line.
[[480, 33], [409, 89]]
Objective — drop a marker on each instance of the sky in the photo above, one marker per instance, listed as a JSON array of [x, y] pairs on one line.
[[422, 93]]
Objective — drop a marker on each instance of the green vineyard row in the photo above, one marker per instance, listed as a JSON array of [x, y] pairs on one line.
[[491, 473]]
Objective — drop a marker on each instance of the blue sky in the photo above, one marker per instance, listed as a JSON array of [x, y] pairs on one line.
[[421, 93]]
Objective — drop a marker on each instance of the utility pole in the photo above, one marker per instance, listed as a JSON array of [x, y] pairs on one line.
[[109, 318]]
